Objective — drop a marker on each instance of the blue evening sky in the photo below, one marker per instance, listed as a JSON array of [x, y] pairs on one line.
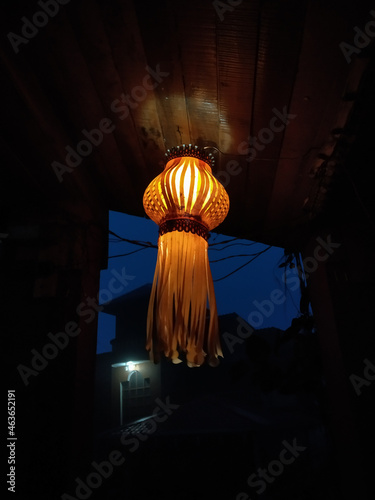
[[238, 293]]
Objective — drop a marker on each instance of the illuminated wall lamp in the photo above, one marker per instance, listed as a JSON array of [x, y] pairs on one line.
[[130, 366]]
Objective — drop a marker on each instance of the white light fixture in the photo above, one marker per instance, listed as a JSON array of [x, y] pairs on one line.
[[130, 366], [133, 364]]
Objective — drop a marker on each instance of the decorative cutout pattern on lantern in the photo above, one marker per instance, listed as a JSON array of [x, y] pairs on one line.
[[186, 201]]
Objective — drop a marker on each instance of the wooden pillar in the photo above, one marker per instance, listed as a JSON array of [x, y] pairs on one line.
[[50, 265], [333, 320]]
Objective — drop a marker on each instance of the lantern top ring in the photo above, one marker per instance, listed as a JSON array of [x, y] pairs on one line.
[[192, 151]]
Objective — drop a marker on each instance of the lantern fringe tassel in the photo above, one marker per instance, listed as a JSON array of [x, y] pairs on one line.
[[177, 309]]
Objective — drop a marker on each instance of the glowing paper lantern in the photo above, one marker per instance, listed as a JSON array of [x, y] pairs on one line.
[[186, 201]]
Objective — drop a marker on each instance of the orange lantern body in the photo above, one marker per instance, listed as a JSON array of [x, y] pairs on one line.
[[186, 201]]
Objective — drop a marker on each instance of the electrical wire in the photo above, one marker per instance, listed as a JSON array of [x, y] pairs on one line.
[[222, 242], [233, 238], [243, 265], [129, 253], [234, 256], [232, 245], [146, 244]]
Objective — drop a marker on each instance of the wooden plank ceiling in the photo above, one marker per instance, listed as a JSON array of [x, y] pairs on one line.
[[218, 78]]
